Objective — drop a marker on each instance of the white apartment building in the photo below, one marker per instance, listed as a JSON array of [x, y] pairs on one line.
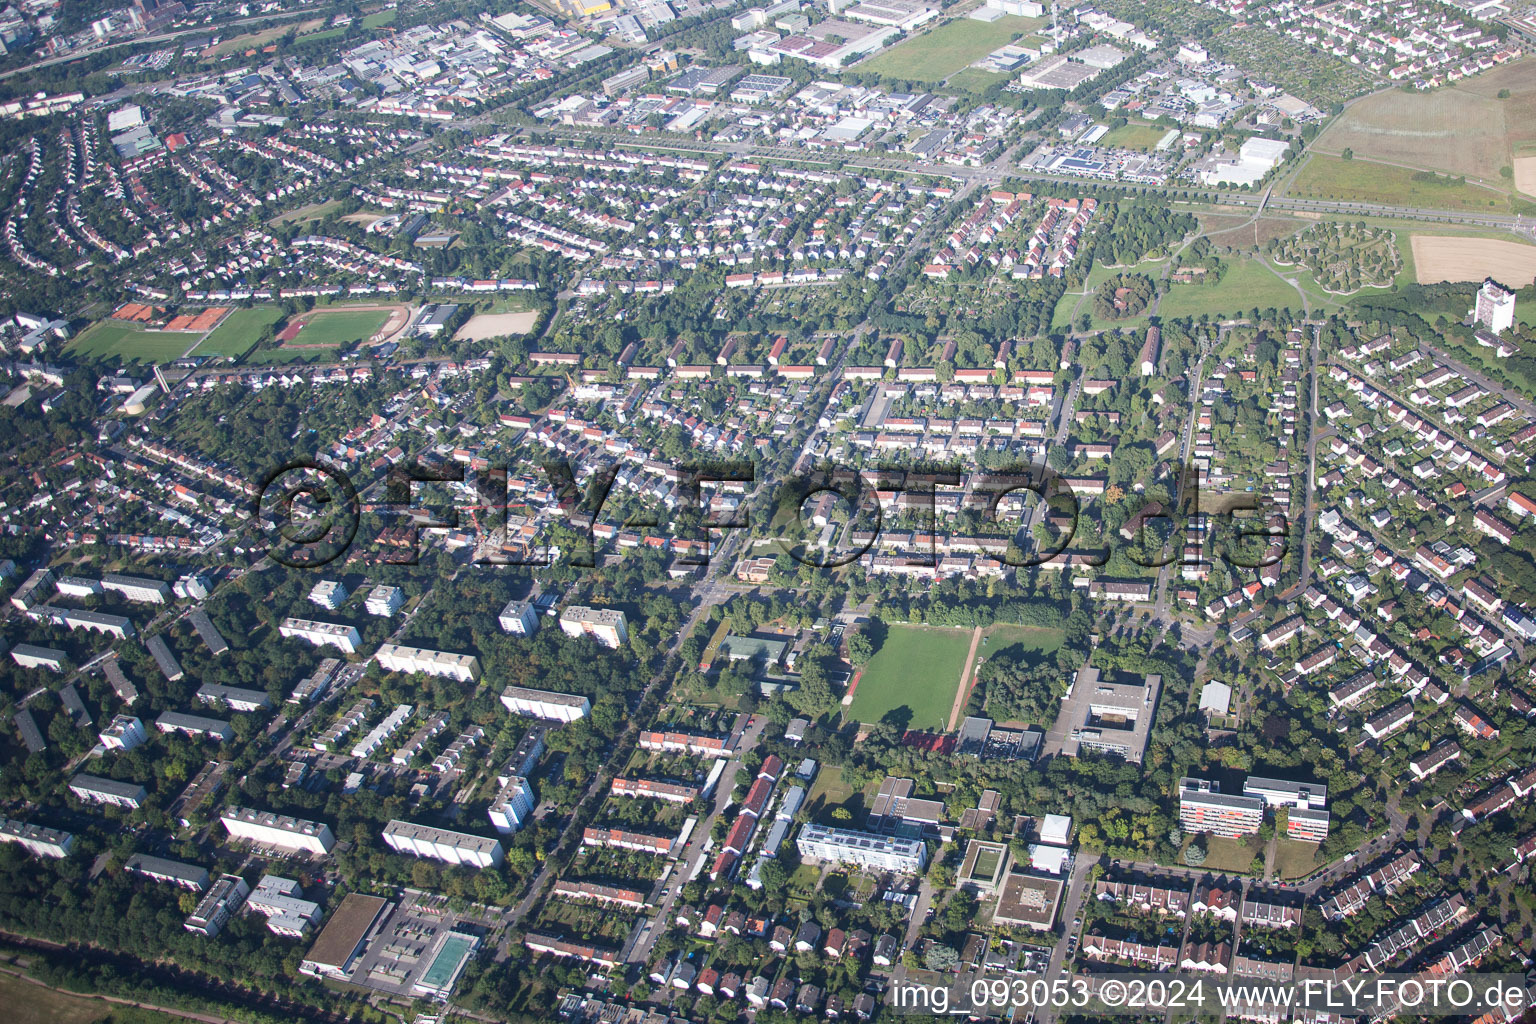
[[864, 849], [395, 658], [513, 805], [94, 789], [124, 733], [45, 842], [321, 634], [606, 625], [329, 594], [1495, 307], [384, 601], [545, 704], [137, 588], [30, 656], [442, 844], [279, 830], [520, 618]]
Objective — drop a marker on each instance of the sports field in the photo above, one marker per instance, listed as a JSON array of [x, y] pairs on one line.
[[238, 332], [1247, 284], [938, 53], [333, 327], [114, 339], [916, 669], [1365, 181]]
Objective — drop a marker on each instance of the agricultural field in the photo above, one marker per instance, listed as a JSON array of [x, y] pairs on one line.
[[1468, 258], [240, 330], [915, 673], [1519, 107], [938, 53], [1343, 257], [35, 1004], [115, 339], [1364, 181], [1136, 135], [1247, 284], [1452, 130]]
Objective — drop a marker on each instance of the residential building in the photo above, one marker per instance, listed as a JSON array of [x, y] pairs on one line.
[[45, 842], [545, 704], [216, 907], [863, 849], [94, 789], [605, 625], [279, 830], [1204, 808], [520, 618], [397, 658], [384, 601], [443, 844], [125, 733], [335, 634]]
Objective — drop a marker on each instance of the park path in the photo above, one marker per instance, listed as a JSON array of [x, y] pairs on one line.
[[963, 694]]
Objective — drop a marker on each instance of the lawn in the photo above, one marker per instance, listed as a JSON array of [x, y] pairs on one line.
[[915, 674], [1233, 856], [1073, 303], [938, 53], [829, 791], [1365, 181], [307, 214], [1295, 860], [378, 19], [1247, 284], [35, 1004], [1139, 136], [977, 80], [239, 331], [1034, 638], [115, 339], [340, 327]]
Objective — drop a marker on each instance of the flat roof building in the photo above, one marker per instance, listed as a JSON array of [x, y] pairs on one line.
[[513, 805], [137, 588], [545, 704], [864, 849], [216, 907], [329, 594], [174, 872], [519, 618], [1204, 808], [279, 830], [606, 625], [125, 733], [341, 941], [281, 902], [443, 844], [384, 601], [1115, 718], [335, 634], [196, 726], [45, 842], [94, 789], [396, 658]]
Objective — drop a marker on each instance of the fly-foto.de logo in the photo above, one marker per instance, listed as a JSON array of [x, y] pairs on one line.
[[310, 513]]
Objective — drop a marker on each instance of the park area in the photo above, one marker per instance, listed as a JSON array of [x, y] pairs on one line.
[[938, 53], [1247, 284], [915, 674]]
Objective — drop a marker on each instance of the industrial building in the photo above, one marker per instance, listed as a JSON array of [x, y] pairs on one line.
[[341, 941]]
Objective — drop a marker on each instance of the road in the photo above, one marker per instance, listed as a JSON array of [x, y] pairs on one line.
[[1160, 611], [1309, 505]]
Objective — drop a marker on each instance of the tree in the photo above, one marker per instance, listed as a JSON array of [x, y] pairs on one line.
[[939, 957], [1348, 153], [1194, 853]]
